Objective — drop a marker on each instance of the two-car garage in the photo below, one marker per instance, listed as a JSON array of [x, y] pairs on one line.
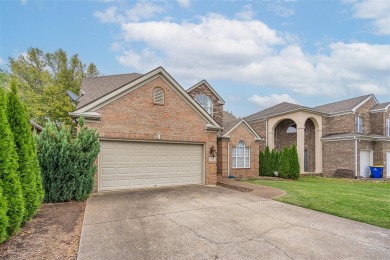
[[125, 165]]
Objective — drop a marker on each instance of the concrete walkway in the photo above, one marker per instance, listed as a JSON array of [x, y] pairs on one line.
[[201, 222]]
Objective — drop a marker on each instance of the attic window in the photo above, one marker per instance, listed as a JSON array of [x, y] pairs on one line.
[[205, 102], [158, 96]]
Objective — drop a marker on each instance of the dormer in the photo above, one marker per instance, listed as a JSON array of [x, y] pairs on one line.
[[209, 99], [380, 119]]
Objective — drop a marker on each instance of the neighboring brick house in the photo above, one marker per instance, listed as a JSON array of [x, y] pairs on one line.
[[154, 133], [338, 139]]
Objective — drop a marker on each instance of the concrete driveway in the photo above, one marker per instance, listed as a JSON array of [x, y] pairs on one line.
[[199, 222]]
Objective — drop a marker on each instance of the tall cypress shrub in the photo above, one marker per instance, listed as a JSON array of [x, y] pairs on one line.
[[261, 163], [20, 127], [3, 217], [284, 163], [294, 163], [267, 155], [9, 180]]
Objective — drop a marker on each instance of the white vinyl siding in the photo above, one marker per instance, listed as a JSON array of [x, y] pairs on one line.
[[124, 165], [240, 156]]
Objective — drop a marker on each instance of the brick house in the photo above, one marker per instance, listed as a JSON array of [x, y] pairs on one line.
[[154, 133], [338, 139]]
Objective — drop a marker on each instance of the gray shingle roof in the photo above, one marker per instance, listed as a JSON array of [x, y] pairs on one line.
[[229, 125], [341, 106], [274, 110], [381, 106], [228, 117], [98, 87]]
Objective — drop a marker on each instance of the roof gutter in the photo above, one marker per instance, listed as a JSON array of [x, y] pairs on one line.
[[209, 127]]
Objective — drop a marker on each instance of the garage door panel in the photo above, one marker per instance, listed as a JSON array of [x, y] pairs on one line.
[[125, 165]]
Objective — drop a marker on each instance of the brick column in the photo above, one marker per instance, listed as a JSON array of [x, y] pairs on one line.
[[318, 151]]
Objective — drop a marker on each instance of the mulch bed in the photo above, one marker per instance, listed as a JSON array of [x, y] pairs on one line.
[[54, 233]]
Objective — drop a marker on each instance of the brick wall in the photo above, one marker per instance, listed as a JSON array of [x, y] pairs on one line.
[[364, 111], [310, 144], [134, 116], [217, 108], [222, 158], [337, 155], [242, 133], [282, 138], [260, 129]]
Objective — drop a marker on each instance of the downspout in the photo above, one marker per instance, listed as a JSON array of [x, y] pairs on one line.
[[228, 160], [356, 160], [266, 132]]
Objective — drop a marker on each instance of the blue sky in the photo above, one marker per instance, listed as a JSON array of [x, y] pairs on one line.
[[254, 53]]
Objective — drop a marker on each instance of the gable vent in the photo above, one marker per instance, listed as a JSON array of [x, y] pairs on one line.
[[159, 96]]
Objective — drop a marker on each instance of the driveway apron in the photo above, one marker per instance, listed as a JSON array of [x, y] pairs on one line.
[[201, 222]]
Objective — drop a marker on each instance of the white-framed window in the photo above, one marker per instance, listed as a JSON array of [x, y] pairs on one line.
[[241, 155], [359, 124], [205, 102], [388, 129]]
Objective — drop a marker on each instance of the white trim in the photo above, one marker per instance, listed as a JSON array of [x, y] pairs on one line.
[[364, 101], [244, 157], [381, 109], [220, 100], [250, 129], [159, 72], [342, 113]]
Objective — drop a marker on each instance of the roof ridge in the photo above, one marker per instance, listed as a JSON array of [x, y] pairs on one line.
[[343, 100], [114, 75]]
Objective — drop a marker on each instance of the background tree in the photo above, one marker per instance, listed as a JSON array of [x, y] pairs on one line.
[[44, 79], [9, 180], [20, 127]]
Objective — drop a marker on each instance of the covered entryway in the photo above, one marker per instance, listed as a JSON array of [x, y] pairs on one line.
[[124, 165], [365, 162]]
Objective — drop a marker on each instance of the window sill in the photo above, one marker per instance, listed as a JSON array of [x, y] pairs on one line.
[[241, 167]]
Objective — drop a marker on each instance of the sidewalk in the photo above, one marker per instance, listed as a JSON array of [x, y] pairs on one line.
[[257, 190]]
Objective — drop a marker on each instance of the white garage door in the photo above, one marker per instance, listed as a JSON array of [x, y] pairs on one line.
[[388, 164], [365, 163], [124, 165]]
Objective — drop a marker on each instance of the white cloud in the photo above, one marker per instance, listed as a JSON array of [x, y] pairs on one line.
[[378, 11], [271, 100], [281, 8], [246, 14], [184, 3], [250, 52], [140, 11]]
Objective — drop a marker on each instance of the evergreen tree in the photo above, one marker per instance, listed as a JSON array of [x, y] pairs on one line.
[[266, 161], [3, 217], [20, 127], [284, 166], [10, 183], [294, 163], [37, 172]]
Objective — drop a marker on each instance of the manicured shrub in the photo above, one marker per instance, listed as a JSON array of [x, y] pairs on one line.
[[294, 163], [261, 164], [3, 217], [284, 163], [10, 183], [27, 170], [267, 155], [67, 164], [273, 164]]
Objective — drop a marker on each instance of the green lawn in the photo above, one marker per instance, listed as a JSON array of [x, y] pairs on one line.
[[359, 200]]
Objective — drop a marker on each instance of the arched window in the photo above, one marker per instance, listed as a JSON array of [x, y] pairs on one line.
[[292, 129], [240, 156], [205, 102], [158, 95]]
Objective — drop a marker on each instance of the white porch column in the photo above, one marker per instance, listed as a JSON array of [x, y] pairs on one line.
[[271, 140], [301, 146], [318, 151]]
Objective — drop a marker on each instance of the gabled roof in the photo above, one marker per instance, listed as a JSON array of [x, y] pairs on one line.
[[98, 87], [347, 105], [230, 126], [278, 109], [381, 107], [228, 117], [139, 81], [220, 100]]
